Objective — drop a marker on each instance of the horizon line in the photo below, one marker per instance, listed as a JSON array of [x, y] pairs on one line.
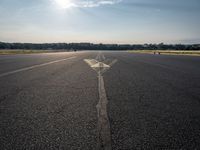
[[100, 43]]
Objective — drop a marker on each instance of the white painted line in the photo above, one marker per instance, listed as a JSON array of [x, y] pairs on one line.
[[113, 62], [104, 135], [106, 68], [35, 66], [103, 57], [100, 65], [97, 57], [91, 62]]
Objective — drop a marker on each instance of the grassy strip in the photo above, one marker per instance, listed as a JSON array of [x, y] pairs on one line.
[[168, 52], [7, 52]]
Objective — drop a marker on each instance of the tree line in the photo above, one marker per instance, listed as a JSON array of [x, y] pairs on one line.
[[91, 46]]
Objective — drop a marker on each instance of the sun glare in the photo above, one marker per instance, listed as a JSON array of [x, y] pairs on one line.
[[64, 3]]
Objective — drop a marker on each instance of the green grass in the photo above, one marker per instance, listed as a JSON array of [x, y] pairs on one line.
[[7, 52], [168, 52]]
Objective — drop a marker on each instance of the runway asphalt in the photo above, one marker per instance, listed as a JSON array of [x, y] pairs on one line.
[[49, 101]]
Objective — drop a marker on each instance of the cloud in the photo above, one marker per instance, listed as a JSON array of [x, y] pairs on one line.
[[85, 3]]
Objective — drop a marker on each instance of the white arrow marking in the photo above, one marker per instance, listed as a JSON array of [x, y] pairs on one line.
[[100, 65], [104, 135], [91, 62]]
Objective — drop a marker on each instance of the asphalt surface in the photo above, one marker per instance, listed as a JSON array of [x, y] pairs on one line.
[[153, 101]]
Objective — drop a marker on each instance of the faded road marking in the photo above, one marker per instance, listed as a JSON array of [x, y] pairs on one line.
[[35, 66], [91, 62], [104, 135]]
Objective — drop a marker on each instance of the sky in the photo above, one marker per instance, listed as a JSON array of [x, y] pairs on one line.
[[100, 21]]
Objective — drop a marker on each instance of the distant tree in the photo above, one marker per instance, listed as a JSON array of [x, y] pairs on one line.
[[91, 46]]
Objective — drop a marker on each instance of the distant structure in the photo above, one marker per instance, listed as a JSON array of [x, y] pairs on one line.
[[91, 46]]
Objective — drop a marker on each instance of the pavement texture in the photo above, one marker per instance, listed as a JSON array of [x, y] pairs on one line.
[[153, 101]]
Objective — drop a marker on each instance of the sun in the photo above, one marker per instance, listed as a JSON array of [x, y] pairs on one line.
[[65, 3]]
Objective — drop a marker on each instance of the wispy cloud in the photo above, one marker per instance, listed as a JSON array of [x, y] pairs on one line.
[[85, 3]]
